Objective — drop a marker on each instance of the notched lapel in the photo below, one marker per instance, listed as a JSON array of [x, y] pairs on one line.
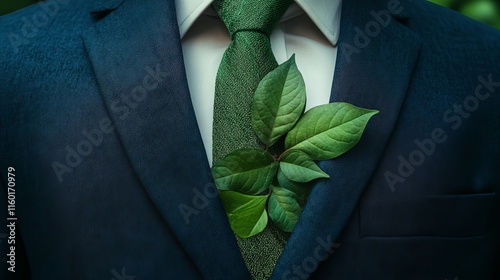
[[136, 55], [374, 75], [99, 7]]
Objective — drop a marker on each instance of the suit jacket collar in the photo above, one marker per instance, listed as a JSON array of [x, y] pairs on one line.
[[135, 52], [325, 14]]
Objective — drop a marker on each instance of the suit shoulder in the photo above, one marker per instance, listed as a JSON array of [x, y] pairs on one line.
[[42, 14], [22, 30], [435, 21], [452, 35], [31, 38]]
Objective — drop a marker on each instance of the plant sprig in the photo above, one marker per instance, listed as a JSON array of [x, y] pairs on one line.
[[254, 183]]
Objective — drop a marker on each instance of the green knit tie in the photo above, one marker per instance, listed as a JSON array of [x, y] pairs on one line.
[[246, 61]]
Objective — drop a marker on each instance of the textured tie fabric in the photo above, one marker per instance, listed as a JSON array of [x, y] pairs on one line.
[[245, 62]]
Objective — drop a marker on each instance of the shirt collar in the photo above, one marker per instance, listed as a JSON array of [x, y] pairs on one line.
[[324, 13]]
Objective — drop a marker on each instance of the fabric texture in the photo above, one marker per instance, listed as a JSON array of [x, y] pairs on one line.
[[246, 61], [142, 203]]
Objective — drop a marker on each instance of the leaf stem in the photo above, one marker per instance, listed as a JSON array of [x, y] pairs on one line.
[[283, 154]]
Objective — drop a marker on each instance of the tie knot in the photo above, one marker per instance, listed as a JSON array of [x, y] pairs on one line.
[[251, 15]]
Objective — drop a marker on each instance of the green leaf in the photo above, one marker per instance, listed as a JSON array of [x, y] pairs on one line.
[[278, 102], [328, 131], [284, 209], [299, 167], [249, 171], [246, 213], [301, 190]]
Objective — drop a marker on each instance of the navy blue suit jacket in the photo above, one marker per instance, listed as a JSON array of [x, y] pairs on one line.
[[112, 180]]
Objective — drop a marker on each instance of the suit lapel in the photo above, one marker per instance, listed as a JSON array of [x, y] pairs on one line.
[[373, 75], [136, 55]]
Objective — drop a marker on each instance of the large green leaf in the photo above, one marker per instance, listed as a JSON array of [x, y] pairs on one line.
[[327, 131], [249, 171], [246, 213], [278, 102], [301, 190], [299, 167], [284, 209]]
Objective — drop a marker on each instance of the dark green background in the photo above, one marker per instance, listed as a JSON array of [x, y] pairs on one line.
[[7, 6], [487, 11]]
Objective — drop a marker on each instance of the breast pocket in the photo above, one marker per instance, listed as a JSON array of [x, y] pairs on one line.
[[438, 216]]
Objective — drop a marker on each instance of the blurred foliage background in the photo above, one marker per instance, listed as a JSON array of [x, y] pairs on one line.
[[487, 11], [8, 6]]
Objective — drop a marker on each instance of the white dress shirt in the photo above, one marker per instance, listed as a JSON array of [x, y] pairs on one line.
[[309, 29]]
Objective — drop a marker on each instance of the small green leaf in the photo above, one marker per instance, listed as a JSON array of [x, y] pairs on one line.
[[278, 102], [327, 131], [301, 190], [299, 167], [284, 209], [246, 213], [250, 171]]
